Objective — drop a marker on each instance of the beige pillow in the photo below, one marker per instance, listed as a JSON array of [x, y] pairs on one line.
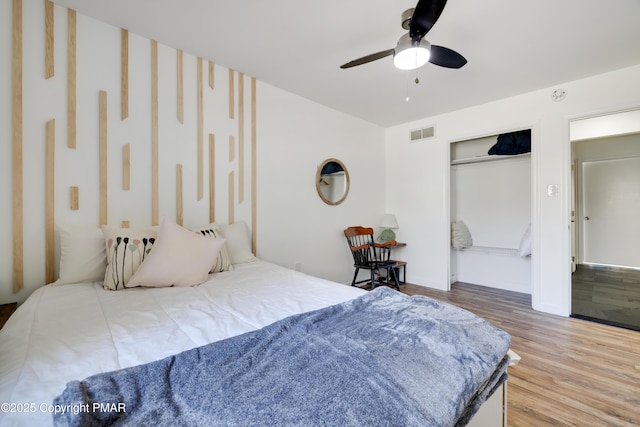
[[223, 262], [83, 257], [180, 257], [238, 242], [126, 249]]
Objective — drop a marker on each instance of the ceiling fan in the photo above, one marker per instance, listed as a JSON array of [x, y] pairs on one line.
[[412, 50]]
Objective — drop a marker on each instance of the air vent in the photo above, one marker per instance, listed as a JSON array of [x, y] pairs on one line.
[[420, 134]]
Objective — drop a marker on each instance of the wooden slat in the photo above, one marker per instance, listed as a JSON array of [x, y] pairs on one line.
[[155, 189], [241, 168], [49, 205], [211, 68], [49, 68], [71, 78], [572, 372], [253, 165], [124, 74], [231, 197], [232, 148], [200, 142], [126, 167], [180, 85], [104, 219], [74, 198], [231, 95], [212, 178], [179, 204], [16, 145]]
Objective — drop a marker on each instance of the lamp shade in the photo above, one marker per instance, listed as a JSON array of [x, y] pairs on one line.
[[389, 221], [409, 55]]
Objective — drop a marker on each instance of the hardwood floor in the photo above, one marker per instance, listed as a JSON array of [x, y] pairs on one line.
[[573, 372], [607, 294]]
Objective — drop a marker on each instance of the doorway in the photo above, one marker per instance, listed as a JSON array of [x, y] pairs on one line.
[[606, 224]]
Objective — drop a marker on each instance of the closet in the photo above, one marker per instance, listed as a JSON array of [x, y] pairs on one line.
[[490, 194]]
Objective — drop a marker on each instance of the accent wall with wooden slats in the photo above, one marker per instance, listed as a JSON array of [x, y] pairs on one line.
[[129, 145]]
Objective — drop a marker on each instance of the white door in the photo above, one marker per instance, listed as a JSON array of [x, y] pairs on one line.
[[611, 212]]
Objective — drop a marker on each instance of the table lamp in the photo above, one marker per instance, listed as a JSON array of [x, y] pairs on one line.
[[388, 222]]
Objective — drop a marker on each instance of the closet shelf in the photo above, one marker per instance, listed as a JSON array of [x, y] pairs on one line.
[[492, 249], [487, 158]]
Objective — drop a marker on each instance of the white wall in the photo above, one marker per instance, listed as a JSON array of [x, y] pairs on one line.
[[294, 136], [418, 177], [294, 224]]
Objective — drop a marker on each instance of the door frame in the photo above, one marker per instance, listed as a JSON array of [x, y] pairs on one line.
[[634, 108]]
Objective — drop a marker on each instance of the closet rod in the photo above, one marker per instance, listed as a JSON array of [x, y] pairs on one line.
[[491, 158]]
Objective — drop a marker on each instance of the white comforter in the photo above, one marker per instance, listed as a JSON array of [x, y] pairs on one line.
[[69, 332]]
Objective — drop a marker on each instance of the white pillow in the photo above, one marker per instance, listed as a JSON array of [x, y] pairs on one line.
[[238, 242], [126, 249], [525, 242], [179, 257], [223, 262], [83, 257], [460, 236]]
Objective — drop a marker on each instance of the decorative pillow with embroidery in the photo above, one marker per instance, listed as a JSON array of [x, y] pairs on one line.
[[223, 262], [126, 249]]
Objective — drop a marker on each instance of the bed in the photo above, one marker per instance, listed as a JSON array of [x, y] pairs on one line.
[[209, 354]]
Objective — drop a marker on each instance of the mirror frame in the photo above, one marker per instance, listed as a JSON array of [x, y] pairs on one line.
[[319, 175]]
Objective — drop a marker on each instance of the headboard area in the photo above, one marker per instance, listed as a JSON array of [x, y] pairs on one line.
[[111, 128]]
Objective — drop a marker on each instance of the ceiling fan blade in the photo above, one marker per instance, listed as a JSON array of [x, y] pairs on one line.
[[424, 17], [368, 58], [446, 57]]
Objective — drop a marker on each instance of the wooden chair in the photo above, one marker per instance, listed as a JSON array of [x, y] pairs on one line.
[[372, 256]]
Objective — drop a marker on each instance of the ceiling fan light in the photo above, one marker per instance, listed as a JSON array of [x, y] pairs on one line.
[[408, 55]]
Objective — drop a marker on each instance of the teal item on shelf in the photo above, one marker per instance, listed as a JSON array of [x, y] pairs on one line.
[[387, 235]]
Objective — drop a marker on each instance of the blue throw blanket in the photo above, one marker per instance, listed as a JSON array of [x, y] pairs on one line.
[[382, 359]]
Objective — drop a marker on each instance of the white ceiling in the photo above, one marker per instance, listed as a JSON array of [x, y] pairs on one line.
[[512, 46]]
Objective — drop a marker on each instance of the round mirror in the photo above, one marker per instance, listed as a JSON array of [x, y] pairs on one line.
[[332, 182]]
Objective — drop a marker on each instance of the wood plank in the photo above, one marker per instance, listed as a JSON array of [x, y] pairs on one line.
[[71, 79], [124, 74], [231, 95], [200, 142], [155, 189], [180, 85], [572, 372], [179, 203], [211, 68], [126, 167], [212, 178], [49, 203], [232, 148], [103, 126], [254, 161], [49, 65], [231, 202], [74, 198], [16, 145]]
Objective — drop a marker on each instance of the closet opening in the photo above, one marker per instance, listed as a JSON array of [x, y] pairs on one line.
[[490, 211]]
